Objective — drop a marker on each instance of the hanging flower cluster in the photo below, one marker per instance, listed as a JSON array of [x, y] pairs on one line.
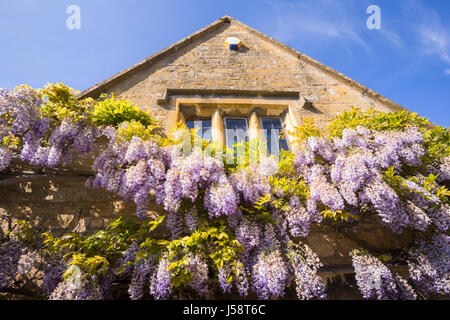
[[429, 265], [374, 279]]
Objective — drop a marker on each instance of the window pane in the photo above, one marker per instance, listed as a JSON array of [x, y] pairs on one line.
[[272, 128], [204, 128], [236, 131]]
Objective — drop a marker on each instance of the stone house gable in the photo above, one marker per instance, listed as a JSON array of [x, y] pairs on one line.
[[200, 65]]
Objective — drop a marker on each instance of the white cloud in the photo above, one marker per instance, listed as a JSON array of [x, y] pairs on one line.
[[416, 31], [393, 38], [316, 21], [436, 41], [433, 34], [447, 72]]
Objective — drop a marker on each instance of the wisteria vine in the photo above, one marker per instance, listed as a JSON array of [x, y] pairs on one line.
[[247, 224]]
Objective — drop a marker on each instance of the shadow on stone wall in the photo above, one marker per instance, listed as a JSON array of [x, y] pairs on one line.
[[63, 204]]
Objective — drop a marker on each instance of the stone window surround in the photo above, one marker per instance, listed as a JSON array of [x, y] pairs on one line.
[[198, 104]]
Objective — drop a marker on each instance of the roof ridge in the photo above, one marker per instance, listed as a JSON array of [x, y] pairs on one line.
[[365, 91]]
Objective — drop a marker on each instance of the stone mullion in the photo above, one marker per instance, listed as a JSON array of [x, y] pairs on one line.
[[255, 129], [218, 132], [289, 125]]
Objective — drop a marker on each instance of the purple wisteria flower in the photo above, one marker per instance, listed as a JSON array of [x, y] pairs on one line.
[[53, 270], [5, 158], [133, 171], [141, 274], [160, 283], [298, 217], [270, 275], [224, 273], [429, 265], [374, 279], [191, 220], [251, 182], [199, 270], [27, 261], [189, 175], [10, 253], [248, 233], [305, 264], [220, 199]]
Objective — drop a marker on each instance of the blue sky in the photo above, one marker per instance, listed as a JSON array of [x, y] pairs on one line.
[[408, 60]]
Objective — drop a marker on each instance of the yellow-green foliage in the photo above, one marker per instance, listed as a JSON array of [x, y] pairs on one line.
[[131, 129], [93, 253], [290, 187], [212, 242], [111, 111], [307, 129], [60, 102], [428, 183], [244, 153], [437, 143], [286, 162], [21, 230], [181, 134], [260, 211], [339, 215], [374, 120], [11, 141]]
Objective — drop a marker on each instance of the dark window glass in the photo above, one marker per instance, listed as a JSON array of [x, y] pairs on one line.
[[204, 128], [272, 128], [236, 131]]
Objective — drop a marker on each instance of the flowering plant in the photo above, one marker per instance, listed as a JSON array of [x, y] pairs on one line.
[[244, 224]]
